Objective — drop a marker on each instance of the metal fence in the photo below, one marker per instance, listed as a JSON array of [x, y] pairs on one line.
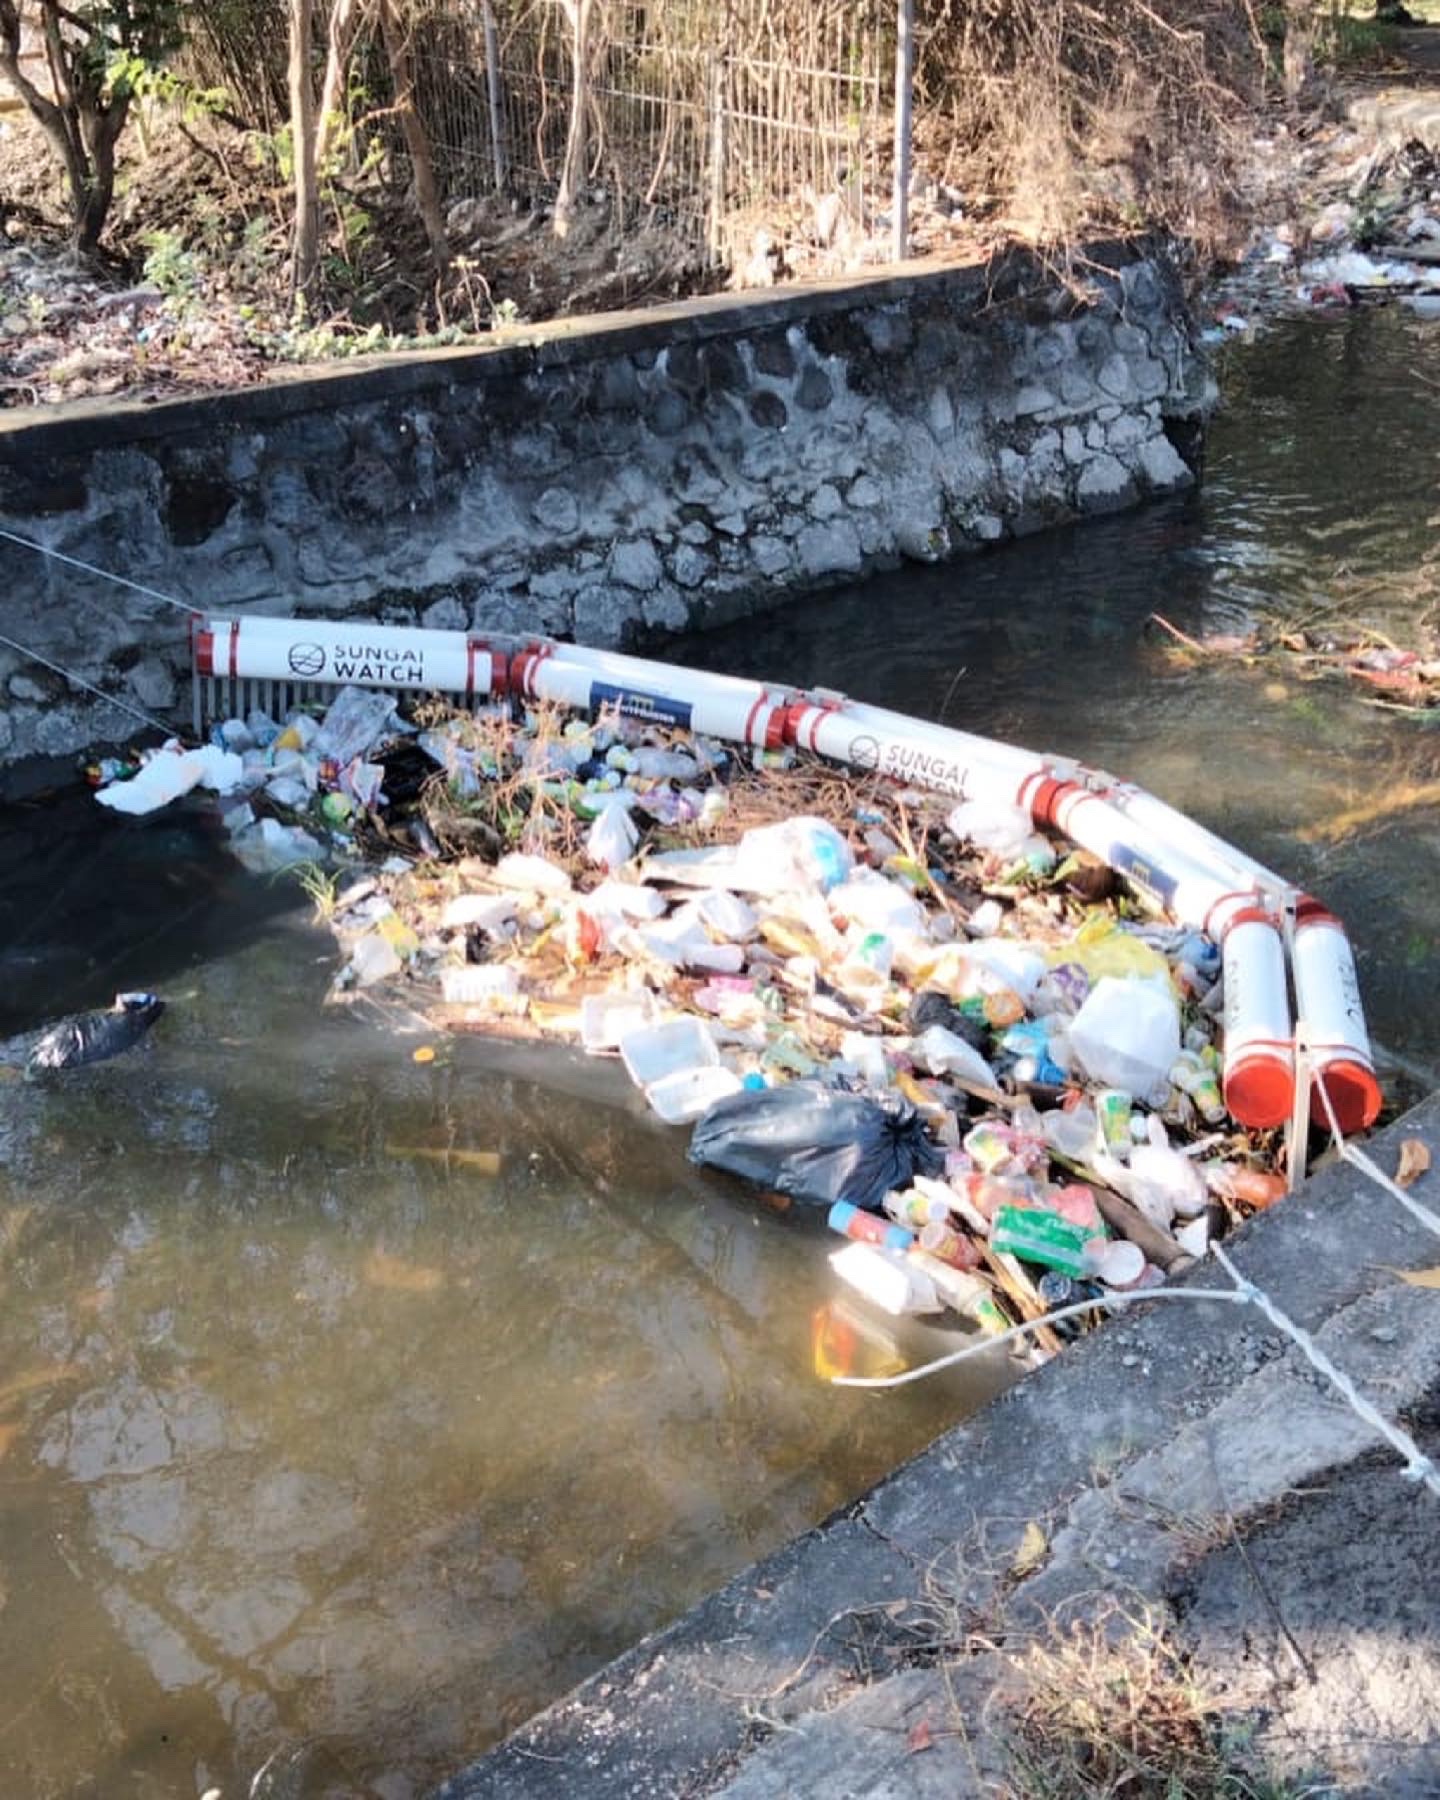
[[711, 121]]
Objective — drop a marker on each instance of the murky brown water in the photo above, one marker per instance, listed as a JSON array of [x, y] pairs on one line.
[[327, 1458]]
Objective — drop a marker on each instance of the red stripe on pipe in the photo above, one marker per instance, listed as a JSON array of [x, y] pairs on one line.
[[750, 719], [1251, 914], [204, 652], [234, 647], [470, 648]]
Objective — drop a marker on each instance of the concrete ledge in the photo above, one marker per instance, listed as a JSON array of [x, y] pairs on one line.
[[1008, 280], [710, 1705]]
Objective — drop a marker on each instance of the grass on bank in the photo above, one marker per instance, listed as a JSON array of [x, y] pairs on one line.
[[1108, 1710]]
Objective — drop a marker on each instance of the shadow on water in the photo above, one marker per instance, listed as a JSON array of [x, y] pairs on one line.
[[316, 1447]]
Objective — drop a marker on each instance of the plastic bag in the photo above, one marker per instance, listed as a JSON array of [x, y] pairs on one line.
[[798, 853], [171, 772], [612, 838], [1127, 1035], [97, 1036], [816, 1144], [357, 720]]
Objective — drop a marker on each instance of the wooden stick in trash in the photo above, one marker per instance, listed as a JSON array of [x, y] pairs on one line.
[[1020, 1292], [1158, 1246]]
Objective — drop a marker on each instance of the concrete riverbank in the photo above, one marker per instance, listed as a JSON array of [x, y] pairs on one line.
[[1185, 1469]]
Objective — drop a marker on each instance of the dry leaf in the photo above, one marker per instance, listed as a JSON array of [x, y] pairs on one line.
[[1426, 1278], [1414, 1161], [9, 1431], [1033, 1547], [918, 1738]]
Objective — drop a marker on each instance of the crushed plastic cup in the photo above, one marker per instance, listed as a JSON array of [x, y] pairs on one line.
[[940, 1239], [651, 1052], [688, 1094]]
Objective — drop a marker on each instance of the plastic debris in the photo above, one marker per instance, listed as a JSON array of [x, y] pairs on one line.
[[168, 773], [96, 1036], [966, 1044]]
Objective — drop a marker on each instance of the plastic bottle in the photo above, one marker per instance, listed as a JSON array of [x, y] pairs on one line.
[[867, 1227], [942, 1241], [968, 1294], [914, 1209], [1193, 1077], [1112, 1110]]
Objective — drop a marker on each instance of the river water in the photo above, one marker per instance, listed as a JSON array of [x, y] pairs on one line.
[[325, 1459]]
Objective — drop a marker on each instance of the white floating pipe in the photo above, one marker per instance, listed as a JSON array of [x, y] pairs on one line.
[[715, 706], [1204, 882], [1259, 1068], [349, 653], [1327, 992]]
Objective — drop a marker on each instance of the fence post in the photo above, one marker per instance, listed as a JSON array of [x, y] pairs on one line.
[[492, 89], [904, 66], [716, 89]]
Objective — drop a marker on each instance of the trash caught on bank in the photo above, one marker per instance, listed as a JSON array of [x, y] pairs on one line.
[[1019, 1035]]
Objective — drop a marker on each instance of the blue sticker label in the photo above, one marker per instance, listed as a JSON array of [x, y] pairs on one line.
[[1142, 871], [635, 703]]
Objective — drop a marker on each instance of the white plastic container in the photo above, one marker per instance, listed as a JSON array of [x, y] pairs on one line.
[[606, 1018], [684, 1096], [479, 984], [651, 1052], [890, 1281]]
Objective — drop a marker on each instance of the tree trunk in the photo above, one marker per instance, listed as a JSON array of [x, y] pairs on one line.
[[573, 169], [306, 263], [95, 208], [417, 145], [344, 24]]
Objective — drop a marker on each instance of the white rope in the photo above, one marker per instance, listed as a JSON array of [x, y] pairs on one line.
[[89, 686], [74, 562], [1359, 1160], [1105, 1303], [1418, 1467]]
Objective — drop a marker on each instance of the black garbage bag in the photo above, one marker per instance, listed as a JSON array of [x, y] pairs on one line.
[[96, 1036], [816, 1143]]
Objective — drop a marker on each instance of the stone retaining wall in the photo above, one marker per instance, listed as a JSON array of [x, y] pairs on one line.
[[611, 480]]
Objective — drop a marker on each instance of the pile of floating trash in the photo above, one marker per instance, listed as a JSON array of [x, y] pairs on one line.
[[967, 1042]]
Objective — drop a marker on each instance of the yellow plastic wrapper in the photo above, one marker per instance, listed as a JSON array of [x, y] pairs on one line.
[[1101, 948]]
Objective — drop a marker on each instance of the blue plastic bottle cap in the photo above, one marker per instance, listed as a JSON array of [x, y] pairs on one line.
[[754, 1081]]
